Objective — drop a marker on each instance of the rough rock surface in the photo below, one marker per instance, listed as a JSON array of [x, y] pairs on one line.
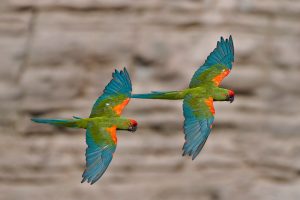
[[57, 55]]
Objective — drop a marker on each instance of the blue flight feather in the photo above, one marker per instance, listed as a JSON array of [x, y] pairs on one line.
[[97, 158], [196, 130]]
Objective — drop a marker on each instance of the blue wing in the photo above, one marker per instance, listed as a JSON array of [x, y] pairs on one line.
[[221, 58], [199, 116], [99, 152], [117, 91]]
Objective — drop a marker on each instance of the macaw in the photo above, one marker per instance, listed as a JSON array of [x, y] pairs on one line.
[[198, 108], [101, 126]]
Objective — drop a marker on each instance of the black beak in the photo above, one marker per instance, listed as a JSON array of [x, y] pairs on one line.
[[231, 99], [132, 128]]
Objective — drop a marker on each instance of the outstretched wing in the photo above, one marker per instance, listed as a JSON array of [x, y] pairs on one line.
[[199, 116], [217, 65], [115, 97], [102, 144]]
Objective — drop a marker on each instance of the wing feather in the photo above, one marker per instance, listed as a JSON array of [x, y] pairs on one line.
[[116, 93], [99, 153], [217, 65], [197, 124]]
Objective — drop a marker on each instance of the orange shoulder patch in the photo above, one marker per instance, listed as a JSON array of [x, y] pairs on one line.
[[119, 108], [217, 80], [209, 102], [113, 133]]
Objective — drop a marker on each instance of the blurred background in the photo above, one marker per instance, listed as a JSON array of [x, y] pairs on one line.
[[56, 56]]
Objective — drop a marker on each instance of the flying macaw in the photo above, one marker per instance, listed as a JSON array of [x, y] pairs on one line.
[[198, 108], [102, 124]]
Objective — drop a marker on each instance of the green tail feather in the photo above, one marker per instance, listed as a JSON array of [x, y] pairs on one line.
[[152, 95], [171, 95], [57, 122]]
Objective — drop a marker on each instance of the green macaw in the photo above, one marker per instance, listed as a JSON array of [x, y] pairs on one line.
[[198, 99], [102, 124]]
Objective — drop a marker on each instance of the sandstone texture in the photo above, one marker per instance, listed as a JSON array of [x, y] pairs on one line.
[[56, 56]]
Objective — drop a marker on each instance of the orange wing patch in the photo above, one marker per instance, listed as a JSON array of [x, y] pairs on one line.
[[113, 133], [217, 80], [209, 103], [119, 108]]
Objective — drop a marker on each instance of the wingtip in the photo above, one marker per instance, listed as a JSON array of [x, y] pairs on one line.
[[225, 40], [189, 154], [116, 71], [121, 71], [85, 179], [222, 39]]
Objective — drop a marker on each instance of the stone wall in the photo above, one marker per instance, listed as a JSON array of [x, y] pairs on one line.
[[56, 56]]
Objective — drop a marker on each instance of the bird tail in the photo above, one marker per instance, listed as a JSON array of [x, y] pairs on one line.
[[58, 122], [171, 95]]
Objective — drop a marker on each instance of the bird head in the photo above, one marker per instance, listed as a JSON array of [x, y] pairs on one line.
[[230, 96], [132, 126]]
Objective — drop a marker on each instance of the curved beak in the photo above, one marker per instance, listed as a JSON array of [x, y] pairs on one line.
[[132, 128], [231, 99]]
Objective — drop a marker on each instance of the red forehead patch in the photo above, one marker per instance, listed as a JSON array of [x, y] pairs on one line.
[[134, 123]]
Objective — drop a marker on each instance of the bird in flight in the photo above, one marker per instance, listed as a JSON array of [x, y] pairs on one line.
[[198, 98], [102, 124]]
